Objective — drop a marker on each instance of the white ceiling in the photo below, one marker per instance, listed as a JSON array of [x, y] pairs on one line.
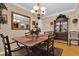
[[52, 8]]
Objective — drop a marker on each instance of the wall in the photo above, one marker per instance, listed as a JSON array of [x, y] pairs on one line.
[[6, 28], [46, 23]]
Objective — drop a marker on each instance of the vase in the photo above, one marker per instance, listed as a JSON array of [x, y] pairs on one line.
[[35, 36]]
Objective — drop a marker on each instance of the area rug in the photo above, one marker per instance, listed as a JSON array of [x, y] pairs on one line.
[[22, 52], [57, 52]]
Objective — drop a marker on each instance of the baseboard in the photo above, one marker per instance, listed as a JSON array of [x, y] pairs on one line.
[[2, 53]]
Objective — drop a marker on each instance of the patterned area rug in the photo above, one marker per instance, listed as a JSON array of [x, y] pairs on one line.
[[57, 52], [22, 52]]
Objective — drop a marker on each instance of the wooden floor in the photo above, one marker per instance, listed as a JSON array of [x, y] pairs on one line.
[[72, 50]]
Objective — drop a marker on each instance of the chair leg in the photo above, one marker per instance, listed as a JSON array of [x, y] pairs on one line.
[[78, 42], [69, 42], [5, 53], [27, 50], [53, 52]]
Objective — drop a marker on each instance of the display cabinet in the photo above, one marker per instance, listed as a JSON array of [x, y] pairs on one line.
[[61, 27]]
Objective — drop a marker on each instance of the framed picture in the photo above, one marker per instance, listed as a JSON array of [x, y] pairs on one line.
[[33, 22], [75, 20], [5, 17]]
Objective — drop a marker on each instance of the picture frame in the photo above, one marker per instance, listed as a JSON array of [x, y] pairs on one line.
[[33, 22], [75, 20], [5, 17]]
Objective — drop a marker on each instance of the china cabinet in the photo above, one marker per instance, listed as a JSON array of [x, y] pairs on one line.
[[61, 27]]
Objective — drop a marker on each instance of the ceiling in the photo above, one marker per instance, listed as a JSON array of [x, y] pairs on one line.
[[52, 8]]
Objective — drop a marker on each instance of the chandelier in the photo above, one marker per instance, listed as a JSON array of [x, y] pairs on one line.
[[38, 11]]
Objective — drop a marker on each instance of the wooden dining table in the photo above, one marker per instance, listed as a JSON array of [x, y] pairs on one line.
[[30, 41]]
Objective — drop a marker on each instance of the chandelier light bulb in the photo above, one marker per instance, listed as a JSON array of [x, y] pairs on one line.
[[14, 20], [22, 24], [18, 20], [43, 8], [36, 7], [43, 12], [32, 11]]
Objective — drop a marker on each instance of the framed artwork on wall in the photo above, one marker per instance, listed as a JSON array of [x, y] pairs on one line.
[[5, 17], [33, 22], [75, 20]]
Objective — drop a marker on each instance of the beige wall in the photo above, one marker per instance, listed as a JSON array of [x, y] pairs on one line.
[[46, 23], [6, 28]]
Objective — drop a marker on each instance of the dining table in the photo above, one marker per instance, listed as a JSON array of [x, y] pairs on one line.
[[30, 41]]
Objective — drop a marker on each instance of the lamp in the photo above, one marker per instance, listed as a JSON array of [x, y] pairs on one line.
[[38, 11]]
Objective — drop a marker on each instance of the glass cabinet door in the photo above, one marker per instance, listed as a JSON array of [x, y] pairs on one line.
[[57, 27], [63, 26]]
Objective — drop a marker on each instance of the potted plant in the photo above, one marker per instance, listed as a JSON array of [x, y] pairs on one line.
[[2, 19], [35, 31]]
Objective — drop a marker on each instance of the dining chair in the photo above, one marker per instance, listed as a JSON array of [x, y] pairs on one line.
[[7, 47], [47, 47], [49, 32], [73, 36], [33, 49]]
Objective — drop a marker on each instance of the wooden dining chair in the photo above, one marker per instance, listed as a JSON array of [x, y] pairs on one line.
[[7, 47], [47, 47], [74, 36], [48, 32]]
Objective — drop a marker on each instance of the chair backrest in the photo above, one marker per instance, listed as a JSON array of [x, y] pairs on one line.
[[50, 42], [48, 32], [50, 39], [74, 34], [6, 43]]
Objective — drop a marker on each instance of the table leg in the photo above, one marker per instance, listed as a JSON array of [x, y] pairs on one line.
[[69, 42]]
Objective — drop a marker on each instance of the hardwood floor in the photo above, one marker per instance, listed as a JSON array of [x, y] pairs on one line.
[[72, 50]]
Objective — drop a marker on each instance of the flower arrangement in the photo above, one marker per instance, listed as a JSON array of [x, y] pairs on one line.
[[35, 31]]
